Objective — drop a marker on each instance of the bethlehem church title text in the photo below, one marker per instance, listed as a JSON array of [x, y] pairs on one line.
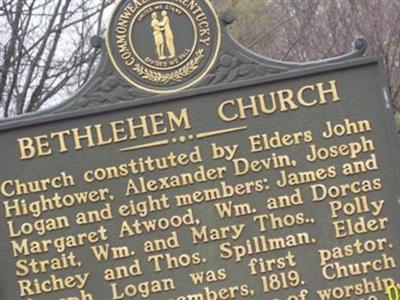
[[157, 124]]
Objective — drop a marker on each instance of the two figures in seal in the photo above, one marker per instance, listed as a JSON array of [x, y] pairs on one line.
[[163, 35]]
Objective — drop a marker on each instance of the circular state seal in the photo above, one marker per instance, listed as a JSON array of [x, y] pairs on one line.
[[163, 46]]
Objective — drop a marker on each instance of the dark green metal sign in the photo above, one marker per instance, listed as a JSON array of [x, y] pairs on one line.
[[254, 185]]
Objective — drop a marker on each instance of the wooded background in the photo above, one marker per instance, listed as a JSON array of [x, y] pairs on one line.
[[45, 52]]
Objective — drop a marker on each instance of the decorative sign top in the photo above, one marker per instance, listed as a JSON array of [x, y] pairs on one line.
[[164, 46]]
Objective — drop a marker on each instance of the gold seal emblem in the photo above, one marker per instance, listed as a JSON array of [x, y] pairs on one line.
[[164, 46]]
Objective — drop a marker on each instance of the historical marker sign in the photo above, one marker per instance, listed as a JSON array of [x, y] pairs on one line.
[[282, 187]]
